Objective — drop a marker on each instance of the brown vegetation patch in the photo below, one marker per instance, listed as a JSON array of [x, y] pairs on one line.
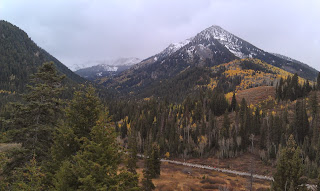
[[8, 146], [257, 94], [213, 181], [174, 177]]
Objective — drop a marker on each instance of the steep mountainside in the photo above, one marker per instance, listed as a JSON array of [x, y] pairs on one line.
[[234, 76], [20, 57], [107, 68], [211, 47], [298, 67]]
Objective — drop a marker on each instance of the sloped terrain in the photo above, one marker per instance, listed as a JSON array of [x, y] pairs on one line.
[[20, 57], [106, 68], [211, 47]]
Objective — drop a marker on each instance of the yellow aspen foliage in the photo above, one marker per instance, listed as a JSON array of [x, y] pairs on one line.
[[167, 155], [7, 92], [194, 126], [229, 95], [202, 139]]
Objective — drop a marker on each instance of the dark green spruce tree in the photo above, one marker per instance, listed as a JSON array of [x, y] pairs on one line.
[[156, 160], [148, 171], [132, 152], [35, 120], [96, 165], [233, 105], [289, 168]]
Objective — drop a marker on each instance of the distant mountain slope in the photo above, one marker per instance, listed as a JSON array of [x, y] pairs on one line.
[[302, 69], [20, 57], [237, 75], [107, 68], [211, 47]]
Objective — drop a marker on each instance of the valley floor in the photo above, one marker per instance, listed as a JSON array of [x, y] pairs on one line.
[[178, 177]]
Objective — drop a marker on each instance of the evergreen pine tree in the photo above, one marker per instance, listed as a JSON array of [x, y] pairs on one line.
[[289, 167], [233, 105], [95, 166], [148, 171], [29, 178], [34, 121], [132, 152], [83, 112], [80, 113], [156, 160], [301, 123]]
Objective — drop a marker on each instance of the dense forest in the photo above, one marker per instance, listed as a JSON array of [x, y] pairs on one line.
[[68, 134], [61, 138]]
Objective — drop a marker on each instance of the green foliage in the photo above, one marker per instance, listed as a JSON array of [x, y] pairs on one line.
[[148, 171], [95, 166], [233, 105], [291, 89], [289, 167], [3, 161], [132, 153], [83, 112], [249, 64], [65, 144], [155, 158], [29, 177], [33, 122], [301, 123]]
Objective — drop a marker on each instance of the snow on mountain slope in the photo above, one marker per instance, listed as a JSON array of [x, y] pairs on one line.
[[108, 62], [106, 68], [215, 45], [172, 48], [235, 45]]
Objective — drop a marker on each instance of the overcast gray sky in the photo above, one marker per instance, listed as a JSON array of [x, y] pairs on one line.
[[77, 31]]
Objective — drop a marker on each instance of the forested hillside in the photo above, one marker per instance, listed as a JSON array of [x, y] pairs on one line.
[[19, 59]]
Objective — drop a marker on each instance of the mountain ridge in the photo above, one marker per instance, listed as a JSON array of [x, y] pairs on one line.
[[20, 57], [107, 68], [210, 47]]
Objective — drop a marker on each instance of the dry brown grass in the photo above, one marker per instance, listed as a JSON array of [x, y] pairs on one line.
[[256, 95], [174, 177], [8, 146]]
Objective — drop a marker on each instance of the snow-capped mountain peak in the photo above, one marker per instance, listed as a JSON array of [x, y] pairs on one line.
[[210, 47], [235, 45]]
